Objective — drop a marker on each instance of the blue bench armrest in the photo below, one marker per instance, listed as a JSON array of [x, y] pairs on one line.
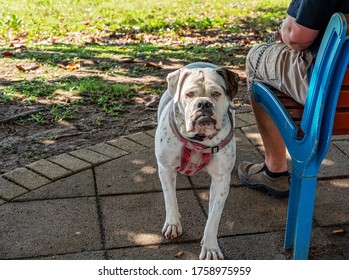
[[267, 98]]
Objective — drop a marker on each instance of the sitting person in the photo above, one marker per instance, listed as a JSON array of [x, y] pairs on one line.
[[286, 66]]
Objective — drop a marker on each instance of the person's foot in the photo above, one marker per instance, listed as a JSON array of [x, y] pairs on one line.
[[258, 177]]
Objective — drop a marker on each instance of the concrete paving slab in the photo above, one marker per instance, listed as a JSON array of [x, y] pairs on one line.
[[332, 202], [9, 190], [239, 123], [247, 211], [26, 178], [108, 150], [151, 133], [137, 220], [326, 245], [132, 174], [126, 145], [252, 133], [241, 139], [71, 163], [77, 185], [263, 246], [48, 227], [335, 164], [143, 139], [90, 156], [49, 169], [98, 255], [247, 117], [180, 251], [342, 142]]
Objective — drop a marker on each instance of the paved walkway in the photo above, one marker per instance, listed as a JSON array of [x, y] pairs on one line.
[[105, 202]]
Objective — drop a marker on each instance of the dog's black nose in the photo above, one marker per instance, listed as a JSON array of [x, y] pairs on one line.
[[204, 105]]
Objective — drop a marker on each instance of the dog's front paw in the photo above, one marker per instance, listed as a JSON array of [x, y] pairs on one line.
[[212, 253], [172, 231]]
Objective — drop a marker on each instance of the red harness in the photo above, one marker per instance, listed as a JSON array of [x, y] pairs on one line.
[[196, 156]]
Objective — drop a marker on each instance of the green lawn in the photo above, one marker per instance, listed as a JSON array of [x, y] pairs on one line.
[[39, 19]]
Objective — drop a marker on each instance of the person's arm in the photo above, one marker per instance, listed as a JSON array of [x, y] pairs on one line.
[[296, 36]]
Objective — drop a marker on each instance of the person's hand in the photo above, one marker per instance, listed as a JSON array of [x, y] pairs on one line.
[[296, 36]]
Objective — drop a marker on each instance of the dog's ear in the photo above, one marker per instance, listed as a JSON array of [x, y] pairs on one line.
[[172, 82], [231, 80], [175, 82]]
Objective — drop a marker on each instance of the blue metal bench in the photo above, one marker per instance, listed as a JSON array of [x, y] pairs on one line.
[[307, 131]]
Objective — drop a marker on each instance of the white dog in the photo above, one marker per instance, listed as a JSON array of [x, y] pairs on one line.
[[196, 131]]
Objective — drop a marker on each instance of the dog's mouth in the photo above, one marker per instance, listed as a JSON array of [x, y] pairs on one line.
[[203, 127], [204, 121]]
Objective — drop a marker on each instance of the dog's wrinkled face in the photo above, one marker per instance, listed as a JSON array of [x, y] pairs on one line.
[[202, 96]]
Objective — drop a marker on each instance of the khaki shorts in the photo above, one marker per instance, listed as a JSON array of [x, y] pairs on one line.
[[281, 68]]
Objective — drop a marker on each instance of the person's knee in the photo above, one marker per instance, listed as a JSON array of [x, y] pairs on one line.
[[250, 60]]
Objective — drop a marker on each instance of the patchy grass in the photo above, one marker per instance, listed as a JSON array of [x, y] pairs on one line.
[[42, 19]]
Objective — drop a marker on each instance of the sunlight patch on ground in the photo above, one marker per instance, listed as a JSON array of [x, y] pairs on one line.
[[149, 170], [138, 162], [145, 238], [343, 184]]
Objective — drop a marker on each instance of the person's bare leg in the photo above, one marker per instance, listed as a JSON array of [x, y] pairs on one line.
[[275, 150]]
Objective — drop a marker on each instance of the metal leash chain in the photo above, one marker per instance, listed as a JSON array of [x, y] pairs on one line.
[[251, 84]]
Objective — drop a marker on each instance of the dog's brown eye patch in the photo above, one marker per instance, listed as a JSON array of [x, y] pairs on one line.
[[216, 94], [189, 94]]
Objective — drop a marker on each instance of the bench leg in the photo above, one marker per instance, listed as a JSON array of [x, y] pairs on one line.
[[300, 215]]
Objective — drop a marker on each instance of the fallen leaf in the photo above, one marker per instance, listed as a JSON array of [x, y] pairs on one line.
[[28, 67], [152, 65], [179, 254], [127, 60], [71, 66], [7, 53], [153, 102]]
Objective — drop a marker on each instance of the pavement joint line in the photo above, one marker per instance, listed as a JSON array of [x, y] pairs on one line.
[[127, 152], [73, 172], [42, 175], [111, 158], [51, 198], [12, 181], [102, 229], [134, 141], [18, 184], [30, 167]]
